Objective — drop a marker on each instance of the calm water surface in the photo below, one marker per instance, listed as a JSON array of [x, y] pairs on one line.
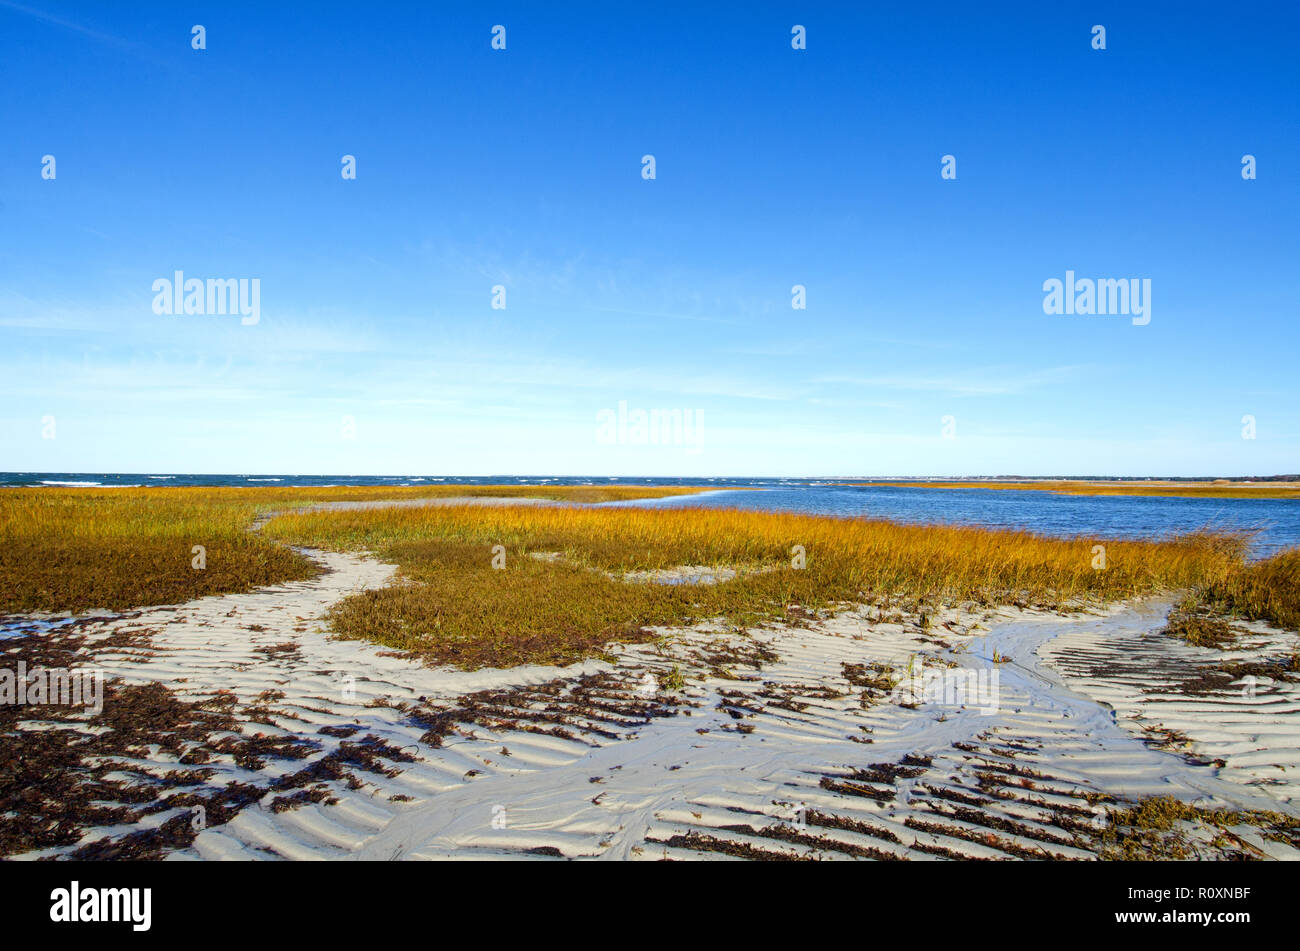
[[1275, 522]]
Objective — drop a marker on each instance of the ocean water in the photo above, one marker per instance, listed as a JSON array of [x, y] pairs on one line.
[[1275, 523]]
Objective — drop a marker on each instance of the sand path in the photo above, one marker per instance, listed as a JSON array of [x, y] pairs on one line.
[[782, 743]]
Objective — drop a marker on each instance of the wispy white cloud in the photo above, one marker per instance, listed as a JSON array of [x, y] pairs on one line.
[[65, 24], [992, 381]]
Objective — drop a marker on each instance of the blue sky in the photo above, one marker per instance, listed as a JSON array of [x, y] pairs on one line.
[[775, 167]]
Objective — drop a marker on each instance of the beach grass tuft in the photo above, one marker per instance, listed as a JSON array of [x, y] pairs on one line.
[[1268, 589]]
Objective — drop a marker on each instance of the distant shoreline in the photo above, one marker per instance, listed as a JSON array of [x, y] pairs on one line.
[[1218, 488], [57, 479]]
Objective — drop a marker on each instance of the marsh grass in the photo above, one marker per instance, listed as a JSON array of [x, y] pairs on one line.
[[77, 552], [1189, 621], [69, 549], [80, 549], [449, 604], [1268, 589]]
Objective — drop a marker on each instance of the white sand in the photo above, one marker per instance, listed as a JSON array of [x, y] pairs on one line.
[[775, 750], [1247, 723]]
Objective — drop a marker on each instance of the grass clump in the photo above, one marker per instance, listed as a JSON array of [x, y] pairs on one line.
[[1188, 622], [1162, 828], [1266, 590], [674, 681]]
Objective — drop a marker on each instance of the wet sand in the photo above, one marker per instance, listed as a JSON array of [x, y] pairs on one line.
[[785, 742]]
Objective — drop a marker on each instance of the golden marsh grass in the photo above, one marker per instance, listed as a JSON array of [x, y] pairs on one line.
[[78, 549], [451, 605], [1268, 589], [75, 549]]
